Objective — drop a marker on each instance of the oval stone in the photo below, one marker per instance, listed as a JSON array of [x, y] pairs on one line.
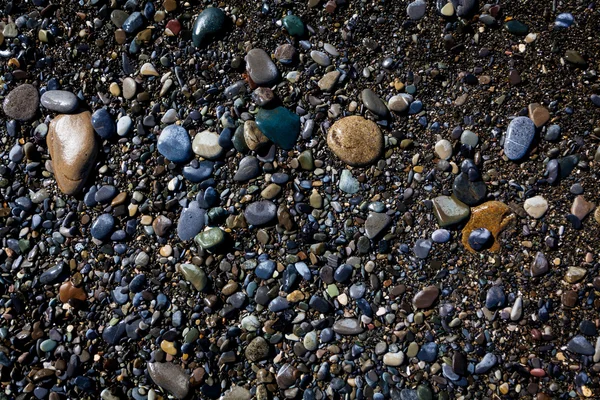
[[208, 23], [519, 135], [261, 68], [355, 140], [174, 144]]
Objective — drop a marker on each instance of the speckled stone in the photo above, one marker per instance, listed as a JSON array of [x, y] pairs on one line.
[[495, 216], [355, 140]]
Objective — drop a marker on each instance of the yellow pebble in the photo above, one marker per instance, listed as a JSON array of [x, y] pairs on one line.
[[168, 347]]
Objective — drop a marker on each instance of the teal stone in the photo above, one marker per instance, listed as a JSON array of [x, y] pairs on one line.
[[294, 25], [210, 238], [280, 125], [516, 27], [48, 345], [208, 23]]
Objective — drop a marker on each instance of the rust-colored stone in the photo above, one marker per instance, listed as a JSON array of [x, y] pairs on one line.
[[68, 292], [495, 216]]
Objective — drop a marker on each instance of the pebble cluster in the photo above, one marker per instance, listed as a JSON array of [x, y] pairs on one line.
[[316, 199]]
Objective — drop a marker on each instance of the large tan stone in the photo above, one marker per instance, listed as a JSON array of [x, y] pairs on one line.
[[355, 140], [73, 148]]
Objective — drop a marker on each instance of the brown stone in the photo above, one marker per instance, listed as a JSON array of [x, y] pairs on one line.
[[426, 297], [120, 36], [538, 114], [22, 102], [285, 219], [253, 136], [161, 225], [68, 292], [73, 148], [355, 140], [170, 5], [495, 216], [581, 207], [569, 298]]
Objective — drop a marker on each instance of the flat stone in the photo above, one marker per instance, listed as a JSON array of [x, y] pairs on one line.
[[348, 184], [248, 168], [580, 345], [376, 223], [320, 58], [103, 123], [495, 216], [426, 297], [170, 377], [479, 238], [68, 291], [208, 23], [581, 207], [539, 266], [260, 213], [261, 68], [280, 125], [206, 144], [253, 136], [191, 222], [60, 101], [450, 211], [575, 274], [487, 362], [393, 359], [400, 102], [22, 102], [73, 148], [374, 103], [347, 326], [536, 206], [174, 144], [328, 81], [416, 10], [422, 248], [519, 136], [516, 27], [102, 226], [355, 140], [538, 114], [194, 275]]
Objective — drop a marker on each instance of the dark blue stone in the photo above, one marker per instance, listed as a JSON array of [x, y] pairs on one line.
[[343, 273], [202, 172], [265, 269], [103, 123], [495, 298], [103, 226], [479, 239], [138, 283], [134, 22], [225, 138], [113, 334], [428, 352]]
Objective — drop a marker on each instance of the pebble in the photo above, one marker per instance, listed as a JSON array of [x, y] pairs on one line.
[[174, 144], [347, 326], [194, 275], [355, 140], [208, 23], [416, 9], [191, 222], [494, 216], [580, 345], [260, 213], [73, 148], [519, 136], [170, 377], [479, 238], [206, 145], [374, 103], [261, 68], [536, 206], [60, 101], [103, 123], [393, 359], [22, 102], [426, 297], [280, 125], [487, 362], [376, 223], [348, 184]]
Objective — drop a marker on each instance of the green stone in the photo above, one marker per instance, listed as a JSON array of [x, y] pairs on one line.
[[413, 350], [450, 211], [194, 275], [575, 58], [516, 27], [191, 336], [294, 25], [208, 23], [424, 392], [280, 125], [48, 345], [210, 238], [332, 290], [306, 160]]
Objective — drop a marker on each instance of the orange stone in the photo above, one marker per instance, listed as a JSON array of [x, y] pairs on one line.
[[67, 292], [495, 216]]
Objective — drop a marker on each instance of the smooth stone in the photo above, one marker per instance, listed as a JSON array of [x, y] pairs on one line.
[[517, 309], [426, 297], [422, 248], [539, 266], [581, 207], [103, 123], [51, 274], [393, 359], [210, 238], [129, 88], [261, 68], [73, 148], [199, 174], [293, 25], [124, 125], [465, 8], [170, 377], [22, 102], [260, 213], [328, 81], [208, 23], [253, 136], [174, 144], [519, 136], [60, 101], [575, 59], [479, 238], [536, 206], [516, 27], [320, 58], [194, 275], [495, 216], [355, 140], [580, 345], [347, 326], [575, 274], [495, 298], [440, 236], [373, 103], [280, 125], [311, 341], [564, 20], [348, 184], [400, 103], [447, 10], [376, 223], [538, 114], [134, 22], [236, 393], [428, 352], [416, 10], [468, 191], [248, 168], [265, 269], [191, 222], [487, 362], [552, 133], [469, 138], [206, 145], [443, 149], [102, 226], [449, 211]]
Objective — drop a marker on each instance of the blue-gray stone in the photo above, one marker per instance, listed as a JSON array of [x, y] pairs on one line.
[[248, 169], [303, 270], [373, 103], [595, 99], [580, 345], [134, 22], [416, 9], [200, 173], [422, 248], [174, 143], [408, 394], [279, 304], [488, 361], [120, 295], [480, 238], [103, 123], [440, 236], [265, 269], [51, 274], [105, 194], [428, 352], [61, 101], [343, 273], [495, 298], [449, 373], [138, 283], [207, 24], [102, 226], [564, 20], [320, 304], [552, 133], [113, 334], [260, 213], [467, 190], [191, 222], [280, 125], [519, 136]]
